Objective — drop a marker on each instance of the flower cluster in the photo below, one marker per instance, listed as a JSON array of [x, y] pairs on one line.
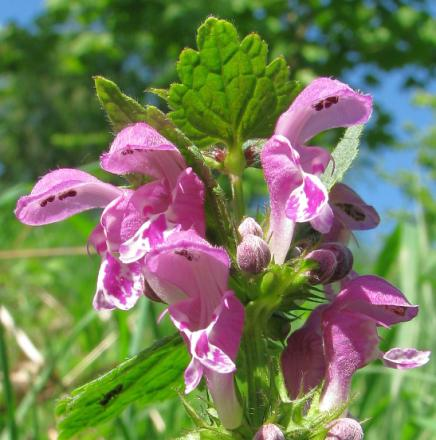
[[152, 241]]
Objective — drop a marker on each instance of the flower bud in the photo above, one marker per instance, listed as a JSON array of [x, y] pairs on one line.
[[269, 432], [325, 266], [344, 260], [345, 429], [250, 226], [253, 254]]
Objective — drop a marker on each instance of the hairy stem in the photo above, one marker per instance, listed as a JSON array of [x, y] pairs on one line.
[[237, 197]]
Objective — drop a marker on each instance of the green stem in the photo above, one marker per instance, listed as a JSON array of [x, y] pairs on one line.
[[7, 387], [237, 197], [256, 366]]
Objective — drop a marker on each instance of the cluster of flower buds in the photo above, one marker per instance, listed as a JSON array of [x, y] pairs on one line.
[[152, 241]]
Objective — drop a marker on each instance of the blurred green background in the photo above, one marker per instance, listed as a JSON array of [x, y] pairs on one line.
[[49, 117]]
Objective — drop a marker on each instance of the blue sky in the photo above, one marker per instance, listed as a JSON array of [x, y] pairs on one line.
[[20, 10], [382, 195]]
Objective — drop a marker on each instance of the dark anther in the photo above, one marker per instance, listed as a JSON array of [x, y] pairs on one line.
[[319, 106], [398, 310], [47, 200], [353, 211], [185, 253], [126, 152], [111, 394], [70, 193], [332, 99]]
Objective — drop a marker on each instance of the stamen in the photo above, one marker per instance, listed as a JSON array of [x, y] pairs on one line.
[[185, 253], [319, 106], [332, 99], [47, 200], [70, 193], [398, 310], [352, 210]]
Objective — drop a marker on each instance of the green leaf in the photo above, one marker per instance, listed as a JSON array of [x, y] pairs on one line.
[[228, 93], [343, 156], [162, 93], [120, 109], [153, 375]]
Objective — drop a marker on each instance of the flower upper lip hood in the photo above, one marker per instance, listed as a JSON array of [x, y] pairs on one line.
[[325, 103], [139, 148], [61, 194]]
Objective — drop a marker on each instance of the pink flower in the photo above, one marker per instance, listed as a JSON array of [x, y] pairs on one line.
[[191, 276], [351, 213], [155, 209], [295, 196], [291, 169], [135, 223], [341, 337]]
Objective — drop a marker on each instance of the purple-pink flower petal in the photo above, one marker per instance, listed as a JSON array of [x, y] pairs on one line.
[[377, 299], [187, 206], [324, 221], [303, 361], [119, 285], [314, 160], [222, 390], [165, 212], [139, 148], [282, 174], [193, 375], [61, 194], [199, 266], [325, 103], [404, 358], [97, 239], [351, 210], [308, 201], [350, 342]]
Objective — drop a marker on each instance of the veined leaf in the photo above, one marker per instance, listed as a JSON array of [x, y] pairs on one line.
[[228, 93], [153, 375], [343, 156]]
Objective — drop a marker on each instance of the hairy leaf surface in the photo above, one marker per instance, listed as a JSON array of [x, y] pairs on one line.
[[154, 375], [228, 93]]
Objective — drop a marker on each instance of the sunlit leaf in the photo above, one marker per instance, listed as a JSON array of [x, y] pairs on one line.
[[343, 156], [154, 375], [228, 93]]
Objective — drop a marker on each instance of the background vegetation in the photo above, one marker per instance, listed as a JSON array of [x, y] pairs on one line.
[[49, 117]]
